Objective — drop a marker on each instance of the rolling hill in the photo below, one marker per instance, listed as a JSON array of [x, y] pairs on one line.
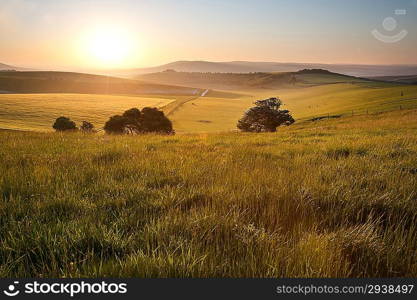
[[67, 82], [248, 67], [214, 114], [259, 80], [307, 94], [407, 79]]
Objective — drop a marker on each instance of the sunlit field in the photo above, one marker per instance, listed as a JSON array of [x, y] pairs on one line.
[[331, 198], [217, 111], [268, 140], [213, 114], [38, 111]]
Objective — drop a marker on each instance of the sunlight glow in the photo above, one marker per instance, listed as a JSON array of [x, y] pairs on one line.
[[108, 46]]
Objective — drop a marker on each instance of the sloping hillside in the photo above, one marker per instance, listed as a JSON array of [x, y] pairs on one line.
[[214, 114], [232, 81], [66, 82], [221, 80], [408, 79]]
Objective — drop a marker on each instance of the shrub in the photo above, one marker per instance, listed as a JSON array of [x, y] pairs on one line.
[[115, 125], [134, 121], [265, 117], [64, 124], [87, 127]]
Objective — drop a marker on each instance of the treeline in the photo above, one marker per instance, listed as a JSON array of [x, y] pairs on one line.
[[132, 121]]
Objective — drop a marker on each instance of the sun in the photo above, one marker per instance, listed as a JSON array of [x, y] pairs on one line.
[[108, 46]]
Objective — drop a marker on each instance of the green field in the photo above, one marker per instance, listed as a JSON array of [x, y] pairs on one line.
[[332, 198], [213, 114]]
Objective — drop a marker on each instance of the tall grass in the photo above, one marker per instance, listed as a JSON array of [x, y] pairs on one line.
[[328, 198]]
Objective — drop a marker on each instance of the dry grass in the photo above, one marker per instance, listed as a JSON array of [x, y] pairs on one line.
[[329, 198], [217, 112], [214, 114], [38, 111]]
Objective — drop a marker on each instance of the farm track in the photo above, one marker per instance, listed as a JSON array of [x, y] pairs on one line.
[[170, 108]]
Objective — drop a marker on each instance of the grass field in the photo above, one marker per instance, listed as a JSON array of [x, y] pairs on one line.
[[313, 95], [218, 111], [213, 114], [332, 198], [81, 83], [38, 111]]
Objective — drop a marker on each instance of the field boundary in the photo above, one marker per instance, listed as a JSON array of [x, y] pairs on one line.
[[363, 111]]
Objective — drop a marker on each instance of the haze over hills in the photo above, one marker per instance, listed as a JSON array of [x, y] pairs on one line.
[[369, 71], [248, 67]]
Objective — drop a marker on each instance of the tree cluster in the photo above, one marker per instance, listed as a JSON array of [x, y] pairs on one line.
[[132, 121], [66, 124]]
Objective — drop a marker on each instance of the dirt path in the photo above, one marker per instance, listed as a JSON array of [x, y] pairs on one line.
[[174, 106]]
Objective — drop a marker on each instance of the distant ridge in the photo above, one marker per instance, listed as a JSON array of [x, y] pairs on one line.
[[250, 67], [4, 67], [405, 79], [263, 80]]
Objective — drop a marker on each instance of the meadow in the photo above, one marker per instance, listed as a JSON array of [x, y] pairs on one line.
[[218, 111], [38, 111], [332, 198], [214, 114]]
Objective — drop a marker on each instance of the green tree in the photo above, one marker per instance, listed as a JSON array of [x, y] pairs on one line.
[[134, 121], [266, 116], [64, 124]]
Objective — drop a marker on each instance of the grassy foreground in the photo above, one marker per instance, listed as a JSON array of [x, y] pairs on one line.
[[328, 198]]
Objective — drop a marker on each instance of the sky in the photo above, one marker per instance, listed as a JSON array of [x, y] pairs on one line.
[[76, 34]]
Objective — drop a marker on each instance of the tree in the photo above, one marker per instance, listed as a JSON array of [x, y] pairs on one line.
[[133, 118], [154, 120], [134, 121], [265, 117], [64, 124], [115, 125], [87, 127]]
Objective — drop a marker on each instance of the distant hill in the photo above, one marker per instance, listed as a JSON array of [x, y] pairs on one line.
[[4, 67], [66, 82], [263, 80], [248, 67], [407, 79]]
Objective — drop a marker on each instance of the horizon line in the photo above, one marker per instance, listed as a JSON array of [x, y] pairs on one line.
[[46, 68]]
